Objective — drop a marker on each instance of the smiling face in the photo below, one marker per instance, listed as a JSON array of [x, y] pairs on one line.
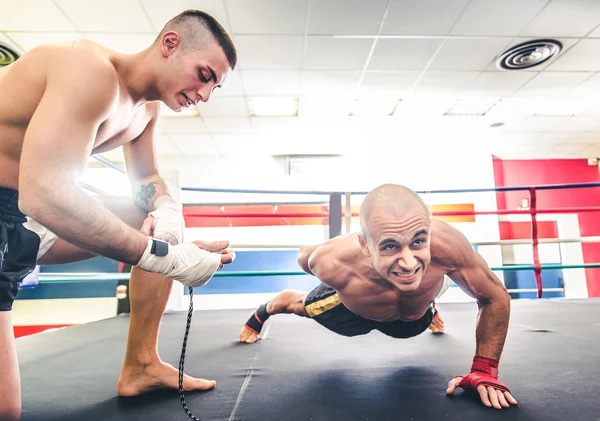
[[396, 230], [189, 76]]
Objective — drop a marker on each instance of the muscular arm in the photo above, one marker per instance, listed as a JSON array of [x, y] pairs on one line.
[[472, 274], [80, 93], [140, 159]]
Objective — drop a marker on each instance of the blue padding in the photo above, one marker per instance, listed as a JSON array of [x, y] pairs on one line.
[[86, 289], [525, 279], [259, 260]]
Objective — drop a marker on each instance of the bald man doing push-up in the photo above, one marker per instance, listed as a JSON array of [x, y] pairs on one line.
[[386, 278]]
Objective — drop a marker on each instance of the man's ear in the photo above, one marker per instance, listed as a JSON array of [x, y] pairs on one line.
[[362, 240], [170, 42]]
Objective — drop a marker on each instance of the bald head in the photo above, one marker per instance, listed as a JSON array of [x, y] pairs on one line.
[[392, 198], [197, 30]]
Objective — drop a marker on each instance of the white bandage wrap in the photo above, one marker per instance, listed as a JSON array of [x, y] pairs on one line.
[[168, 221], [185, 262]]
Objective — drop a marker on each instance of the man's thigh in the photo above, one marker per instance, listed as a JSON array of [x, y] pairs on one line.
[[61, 251]]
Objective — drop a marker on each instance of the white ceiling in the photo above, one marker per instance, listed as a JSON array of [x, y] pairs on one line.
[[350, 63]]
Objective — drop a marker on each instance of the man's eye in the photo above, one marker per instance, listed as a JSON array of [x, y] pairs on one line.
[[390, 247], [419, 242]]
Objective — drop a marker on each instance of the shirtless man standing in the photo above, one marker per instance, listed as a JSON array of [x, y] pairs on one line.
[[59, 105], [386, 278]]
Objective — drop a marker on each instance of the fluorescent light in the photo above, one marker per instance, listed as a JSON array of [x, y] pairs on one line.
[[273, 106], [185, 112]]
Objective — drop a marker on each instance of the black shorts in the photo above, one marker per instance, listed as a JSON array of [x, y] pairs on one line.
[[324, 305], [18, 248]]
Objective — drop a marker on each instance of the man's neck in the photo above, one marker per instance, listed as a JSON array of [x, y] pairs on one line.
[[136, 76]]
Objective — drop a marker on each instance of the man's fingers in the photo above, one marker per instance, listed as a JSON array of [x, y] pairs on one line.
[[510, 398], [147, 226], [502, 399], [452, 385], [493, 395], [214, 246], [483, 393], [227, 257]]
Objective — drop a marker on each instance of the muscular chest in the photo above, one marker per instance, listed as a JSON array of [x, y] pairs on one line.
[[123, 126]]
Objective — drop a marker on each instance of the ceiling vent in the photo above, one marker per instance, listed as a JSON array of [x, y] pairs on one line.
[[528, 54], [7, 55]]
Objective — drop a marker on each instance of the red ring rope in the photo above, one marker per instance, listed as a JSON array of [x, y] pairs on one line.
[[537, 267]]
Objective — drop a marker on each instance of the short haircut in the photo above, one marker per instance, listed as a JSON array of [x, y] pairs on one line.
[[209, 24]]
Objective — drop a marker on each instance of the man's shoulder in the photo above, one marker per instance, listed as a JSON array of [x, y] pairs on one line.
[[449, 247]]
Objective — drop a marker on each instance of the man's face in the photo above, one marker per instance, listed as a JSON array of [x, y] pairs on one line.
[[191, 76], [399, 247]]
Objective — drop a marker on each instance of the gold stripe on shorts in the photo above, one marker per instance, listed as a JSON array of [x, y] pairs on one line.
[[321, 306]]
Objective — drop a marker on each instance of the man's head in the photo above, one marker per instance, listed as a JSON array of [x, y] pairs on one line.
[[395, 226], [197, 55]]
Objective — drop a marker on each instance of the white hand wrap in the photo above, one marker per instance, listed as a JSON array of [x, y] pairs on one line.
[[168, 221], [185, 262]]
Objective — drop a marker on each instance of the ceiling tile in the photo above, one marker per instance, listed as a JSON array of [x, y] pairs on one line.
[[390, 83], [29, 40], [194, 144], [160, 11], [345, 17], [324, 108], [266, 83], [231, 87], [499, 83], [588, 87], [492, 17], [578, 124], [446, 83], [330, 82], [552, 83], [123, 43], [569, 18], [468, 54], [336, 53], [228, 125], [538, 124], [224, 107], [583, 57], [403, 54], [101, 17], [570, 149], [423, 17], [270, 52], [34, 15], [267, 16]]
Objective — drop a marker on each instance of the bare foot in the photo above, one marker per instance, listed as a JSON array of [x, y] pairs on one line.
[[138, 379], [437, 324], [248, 335]]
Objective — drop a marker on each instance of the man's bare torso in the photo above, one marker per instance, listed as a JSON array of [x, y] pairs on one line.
[[23, 84], [367, 294]]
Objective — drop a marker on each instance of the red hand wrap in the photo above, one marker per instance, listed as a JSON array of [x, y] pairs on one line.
[[483, 371]]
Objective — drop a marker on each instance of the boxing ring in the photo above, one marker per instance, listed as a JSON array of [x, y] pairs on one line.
[[300, 371]]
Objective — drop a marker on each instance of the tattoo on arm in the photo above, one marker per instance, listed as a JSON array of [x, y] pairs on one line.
[[147, 192]]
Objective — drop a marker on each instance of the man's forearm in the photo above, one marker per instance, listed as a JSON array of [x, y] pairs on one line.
[[492, 327], [147, 190], [79, 219]]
